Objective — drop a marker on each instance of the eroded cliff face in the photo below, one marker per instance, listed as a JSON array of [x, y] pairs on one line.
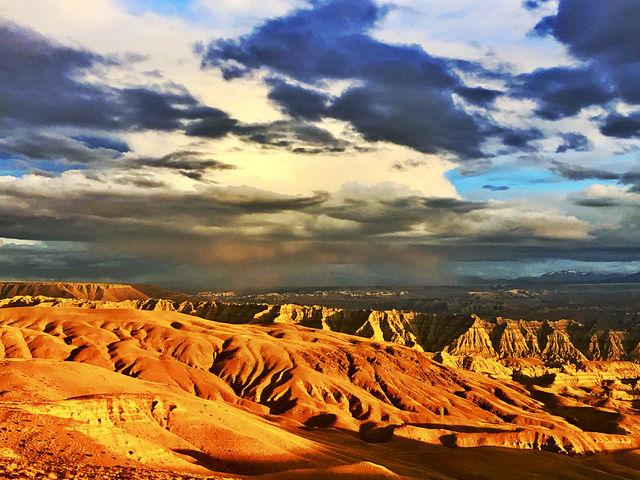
[[554, 343]]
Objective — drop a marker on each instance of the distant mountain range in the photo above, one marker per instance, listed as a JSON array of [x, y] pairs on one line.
[[574, 276]]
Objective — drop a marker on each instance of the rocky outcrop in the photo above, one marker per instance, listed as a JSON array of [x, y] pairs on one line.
[[475, 341]]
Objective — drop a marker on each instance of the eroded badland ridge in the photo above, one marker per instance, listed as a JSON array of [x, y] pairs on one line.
[[561, 341], [154, 386]]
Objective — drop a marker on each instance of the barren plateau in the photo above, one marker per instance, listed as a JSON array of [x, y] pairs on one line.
[[103, 381]]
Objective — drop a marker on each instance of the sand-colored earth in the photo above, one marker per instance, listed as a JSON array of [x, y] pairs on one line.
[[87, 291], [130, 393]]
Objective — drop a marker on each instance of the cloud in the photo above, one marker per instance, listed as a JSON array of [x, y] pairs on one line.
[[593, 29], [533, 4], [576, 172], [603, 34], [403, 165], [153, 110], [191, 226], [479, 95], [94, 142], [520, 138], [621, 126], [38, 85], [296, 101], [562, 91], [496, 188], [41, 86], [402, 94], [147, 205], [30, 146], [630, 177], [216, 125], [573, 141], [623, 196], [231, 230], [296, 136], [597, 202], [191, 164]]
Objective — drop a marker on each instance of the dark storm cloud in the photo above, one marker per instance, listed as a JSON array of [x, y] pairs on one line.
[[630, 177], [148, 109], [597, 202], [216, 125], [520, 138], [189, 230], [191, 164], [595, 29], [296, 101], [378, 216], [208, 206], [621, 126], [182, 160], [37, 84], [402, 94], [604, 35], [58, 153], [576, 172], [453, 204], [139, 181], [155, 220], [562, 91], [40, 87], [217, 226], [304, 44], [478, 95], [37, 146], [573, 141], [426, 121], [298, 137]]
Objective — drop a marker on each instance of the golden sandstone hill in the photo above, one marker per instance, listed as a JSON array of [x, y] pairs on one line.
[[85, 291], [135, 388]]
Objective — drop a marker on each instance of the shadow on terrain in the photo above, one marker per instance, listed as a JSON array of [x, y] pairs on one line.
[[242, 466], [462, 428], [421, 460], [589, 419]]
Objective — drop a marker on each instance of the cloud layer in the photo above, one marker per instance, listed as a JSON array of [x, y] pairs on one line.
[[362, 159]]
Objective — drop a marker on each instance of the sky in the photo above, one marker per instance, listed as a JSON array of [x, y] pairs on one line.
[[201, 144]]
